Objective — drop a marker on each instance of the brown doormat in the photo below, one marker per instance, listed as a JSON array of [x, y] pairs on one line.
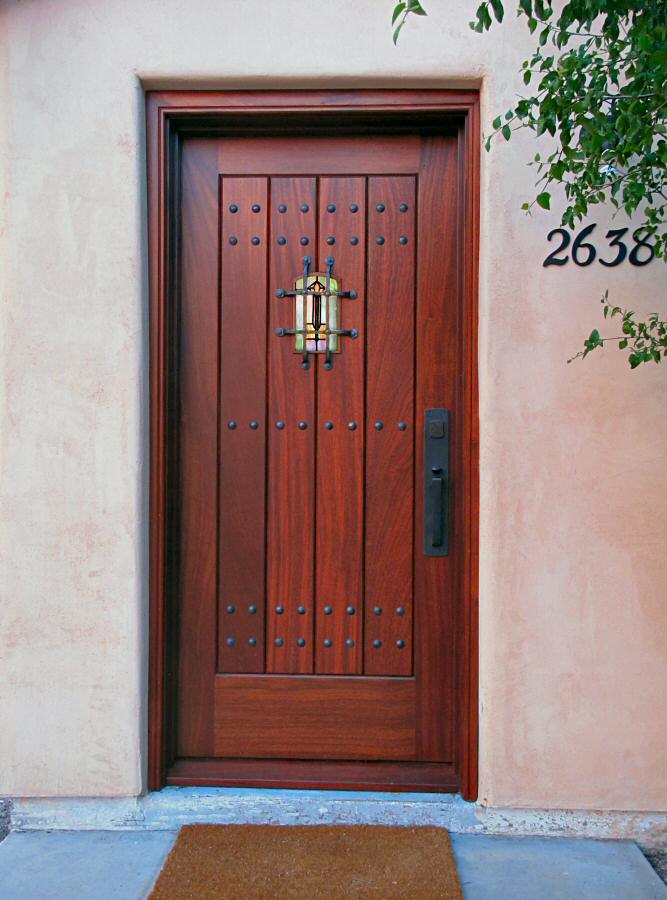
[[270, 862]]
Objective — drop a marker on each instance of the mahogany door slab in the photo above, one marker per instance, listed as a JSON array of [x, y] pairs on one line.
[[312, 640]]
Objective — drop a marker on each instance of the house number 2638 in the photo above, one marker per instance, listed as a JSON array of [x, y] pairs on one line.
[[584, 253]]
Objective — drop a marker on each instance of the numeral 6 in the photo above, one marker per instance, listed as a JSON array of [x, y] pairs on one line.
[[580, 244]]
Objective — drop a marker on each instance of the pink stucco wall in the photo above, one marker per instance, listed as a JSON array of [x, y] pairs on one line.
[[573, 571]]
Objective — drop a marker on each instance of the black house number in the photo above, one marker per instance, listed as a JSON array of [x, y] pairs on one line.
[[584, 253]]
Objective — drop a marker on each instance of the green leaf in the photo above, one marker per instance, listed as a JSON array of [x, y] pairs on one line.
[[544, 200], [506, 132], [498, 10], [398, 9], [397, 32], [497, 122]]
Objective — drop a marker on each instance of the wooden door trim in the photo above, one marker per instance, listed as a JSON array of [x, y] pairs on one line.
[[171, 116]]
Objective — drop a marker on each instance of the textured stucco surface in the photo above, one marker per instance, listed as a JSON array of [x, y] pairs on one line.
[[573, 523]]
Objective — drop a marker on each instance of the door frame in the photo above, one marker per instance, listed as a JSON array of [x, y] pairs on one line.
[[175, 115]]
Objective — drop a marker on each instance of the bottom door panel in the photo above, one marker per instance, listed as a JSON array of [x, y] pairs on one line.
[[314, 718]]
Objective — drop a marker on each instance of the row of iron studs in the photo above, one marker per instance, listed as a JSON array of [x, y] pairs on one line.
[[304, 241], [331, 207], [301, 642], [233, 425]]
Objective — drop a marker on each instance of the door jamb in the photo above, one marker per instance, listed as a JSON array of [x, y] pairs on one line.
[[171, 115]]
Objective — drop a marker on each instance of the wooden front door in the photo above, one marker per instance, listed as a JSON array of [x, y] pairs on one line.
[[318, 544]]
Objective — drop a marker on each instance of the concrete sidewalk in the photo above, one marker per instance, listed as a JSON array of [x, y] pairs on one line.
[[123, 865]]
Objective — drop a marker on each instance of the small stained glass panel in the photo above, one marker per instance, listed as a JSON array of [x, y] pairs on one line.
[[317, 314]]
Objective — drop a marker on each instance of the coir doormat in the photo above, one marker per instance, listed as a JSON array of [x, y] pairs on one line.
[[257, 862]]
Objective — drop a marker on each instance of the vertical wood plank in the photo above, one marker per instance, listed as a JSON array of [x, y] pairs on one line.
[[291, 496], [390, 332], [438, 378], [198, 390], [243, 289], [340, 439]]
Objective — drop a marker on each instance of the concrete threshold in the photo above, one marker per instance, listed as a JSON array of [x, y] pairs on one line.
[[172, 807]]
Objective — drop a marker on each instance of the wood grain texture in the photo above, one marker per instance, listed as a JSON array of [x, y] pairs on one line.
[[340, 449], [198, 452], [291, 510], [315, 774], [242, 460], [316, 717], [437, 589], [390, 328], [172, 117]]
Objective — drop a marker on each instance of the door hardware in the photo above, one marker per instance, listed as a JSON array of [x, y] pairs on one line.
[[436, 482]]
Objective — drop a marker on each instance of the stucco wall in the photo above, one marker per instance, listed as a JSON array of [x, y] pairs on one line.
[[573, 519]]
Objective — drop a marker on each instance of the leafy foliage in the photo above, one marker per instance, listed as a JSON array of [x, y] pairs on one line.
[[645, 341], [598, 86]]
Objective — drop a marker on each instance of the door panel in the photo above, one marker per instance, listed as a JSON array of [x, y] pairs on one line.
[[339, 462], [242, 443], [311, 624]]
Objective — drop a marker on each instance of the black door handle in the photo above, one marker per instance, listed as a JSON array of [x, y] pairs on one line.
[[436, 482], [436, 490]]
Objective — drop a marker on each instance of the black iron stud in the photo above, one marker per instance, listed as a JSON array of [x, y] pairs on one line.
[[305, 364], [255, 240], [353, 295], [331, 240], [350, 610], [301, 610], [231, 608], [328, 425], [331, 207], [231, 642], [349, 642], [280, 610], [377, 644], [233, 240], [352, 426], [304, 207], [402, 426], [402, 239], [403, 207], [282, 240], [280, 425], [254, 424], [354, 240], [380, 207], [354, 333], [328, 610], [301, 642], [400, 644], [379, 426], [354, 207], [303, 425], [233, 208], [327, 642], [252, 641], [280, 293], [252, 609], [282, 208], [279, 642], [377, 610], [304, 241], [401, 610], [379, 240], [231, 424], [256, 207]]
